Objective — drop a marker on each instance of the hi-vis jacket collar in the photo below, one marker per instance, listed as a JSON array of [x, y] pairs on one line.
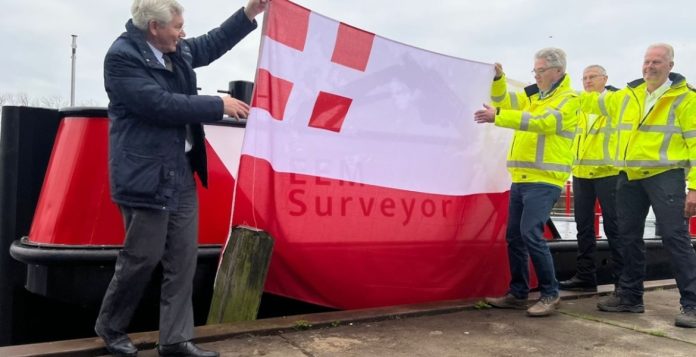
[[534, 89], [676, 79]]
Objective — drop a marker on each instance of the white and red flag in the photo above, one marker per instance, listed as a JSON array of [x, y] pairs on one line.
[[362, 159]]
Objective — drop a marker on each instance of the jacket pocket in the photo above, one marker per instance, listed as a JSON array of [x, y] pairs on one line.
[[140, 174]]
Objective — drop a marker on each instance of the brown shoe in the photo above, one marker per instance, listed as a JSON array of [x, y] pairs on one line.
[[507, 302], [545, 306]]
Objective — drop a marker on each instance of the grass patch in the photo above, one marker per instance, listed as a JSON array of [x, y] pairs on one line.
[[481, 304], [302, 325]]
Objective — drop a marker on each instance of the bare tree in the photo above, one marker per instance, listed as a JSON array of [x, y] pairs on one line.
[[52, 102]]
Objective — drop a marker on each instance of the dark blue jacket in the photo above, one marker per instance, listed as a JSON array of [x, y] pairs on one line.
[[150, 107]]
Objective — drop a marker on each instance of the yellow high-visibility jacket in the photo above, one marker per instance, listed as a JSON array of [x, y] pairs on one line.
[[541, 149], [595, 145], [662, 140]]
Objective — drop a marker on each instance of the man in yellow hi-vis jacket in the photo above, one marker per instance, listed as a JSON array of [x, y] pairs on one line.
[[594, 178], [539, 161], [657, 143]]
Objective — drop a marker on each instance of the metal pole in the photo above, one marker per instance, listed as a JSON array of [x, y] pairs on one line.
[[72, 73]]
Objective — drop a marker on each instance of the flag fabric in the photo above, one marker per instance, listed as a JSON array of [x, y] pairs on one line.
[[362, 160]]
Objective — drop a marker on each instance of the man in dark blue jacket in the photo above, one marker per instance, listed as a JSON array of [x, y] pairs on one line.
[[155, 147]]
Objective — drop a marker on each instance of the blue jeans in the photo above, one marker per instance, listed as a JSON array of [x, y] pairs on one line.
[[530, 207], [666, 193]]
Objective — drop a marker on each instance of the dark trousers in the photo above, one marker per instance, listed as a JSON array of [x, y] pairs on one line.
[[666, 193], [585, 193], [530, 208], [154, 236]]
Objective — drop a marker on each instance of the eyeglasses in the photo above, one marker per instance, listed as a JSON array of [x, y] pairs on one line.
[[541, 70], [592, 77]]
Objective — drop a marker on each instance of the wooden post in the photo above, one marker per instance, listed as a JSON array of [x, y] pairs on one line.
[[241, 276]]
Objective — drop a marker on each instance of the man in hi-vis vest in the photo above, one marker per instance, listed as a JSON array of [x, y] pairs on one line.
[[657, 145], [539, 161], [594, 178]]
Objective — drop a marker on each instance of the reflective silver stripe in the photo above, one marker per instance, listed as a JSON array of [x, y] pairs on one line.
[[607, 139], [559, 120], [594, 162], [498, 99], [671, 124], [563, 102], [672, 117], [656, 163], [527, 118], [524, 123], [513, 101], [538, 166], [603, 105], [623, 107], [689, 134], [619, 127], [559, 123], [567, 134], [541, 147], [659, 129], [608, 131]]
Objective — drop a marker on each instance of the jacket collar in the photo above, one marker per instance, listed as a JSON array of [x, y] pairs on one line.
[[677, 81], [137, 36], [534, 88]]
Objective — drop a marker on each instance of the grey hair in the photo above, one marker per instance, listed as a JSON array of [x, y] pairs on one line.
[[162, 11], [601, 69], [555, 57], [668, 48]]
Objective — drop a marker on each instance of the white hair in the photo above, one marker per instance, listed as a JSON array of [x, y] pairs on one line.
[[162, 11], [601, 69], [555, 57], [668, 49]]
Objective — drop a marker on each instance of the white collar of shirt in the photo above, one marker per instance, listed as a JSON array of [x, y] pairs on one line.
[[651, 98], [158, 54]]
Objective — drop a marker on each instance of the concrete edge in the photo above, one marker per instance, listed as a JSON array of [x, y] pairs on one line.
[[208, 333]]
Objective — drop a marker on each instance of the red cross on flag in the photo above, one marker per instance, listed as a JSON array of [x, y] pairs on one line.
[[362, 159]]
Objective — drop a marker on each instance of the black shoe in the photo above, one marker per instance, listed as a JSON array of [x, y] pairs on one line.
[[184, 349], [122, 348], [577, 284], [687, 318], [615, 303]]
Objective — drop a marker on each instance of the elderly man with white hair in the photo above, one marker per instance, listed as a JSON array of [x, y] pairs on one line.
[[156, 145]]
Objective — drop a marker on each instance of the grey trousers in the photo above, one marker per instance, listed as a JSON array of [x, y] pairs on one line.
[[154, 236]]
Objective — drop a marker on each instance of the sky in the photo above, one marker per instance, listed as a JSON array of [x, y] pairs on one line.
[[36, 36]]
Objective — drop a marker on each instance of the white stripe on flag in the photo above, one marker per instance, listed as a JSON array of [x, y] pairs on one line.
[[410, 125]]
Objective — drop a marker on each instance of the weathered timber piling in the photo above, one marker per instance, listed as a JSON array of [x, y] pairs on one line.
[[241, 276]]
